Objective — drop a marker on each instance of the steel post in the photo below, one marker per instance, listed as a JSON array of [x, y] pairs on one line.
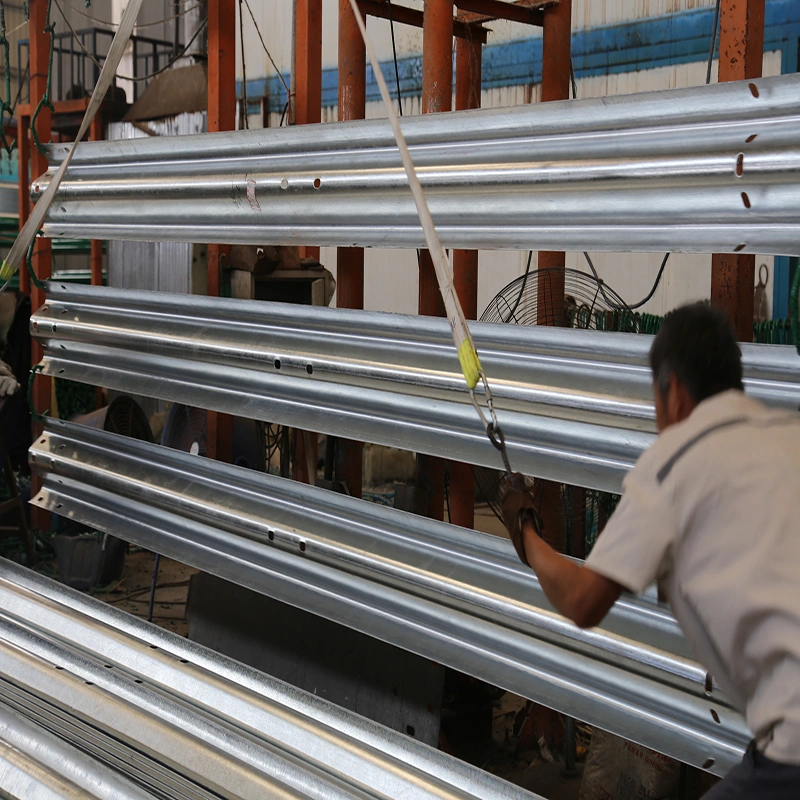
[[42, 260], [741, 53], [350, 260], [556, 55], [465, 273], [221, 117], [437, 96], [96, 257], [23, 186]]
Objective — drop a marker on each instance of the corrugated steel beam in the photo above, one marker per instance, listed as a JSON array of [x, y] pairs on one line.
[[180, 720], [636, 173], [576, 406], [458, 597]]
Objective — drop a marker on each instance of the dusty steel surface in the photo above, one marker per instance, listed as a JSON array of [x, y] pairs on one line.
[[183, 721]]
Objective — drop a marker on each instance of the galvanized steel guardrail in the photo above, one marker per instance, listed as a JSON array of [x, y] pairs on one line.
[[455, 596], [575, 405], [708, 169], [95, 703]]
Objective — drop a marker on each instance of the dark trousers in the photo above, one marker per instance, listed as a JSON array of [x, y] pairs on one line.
[[758, 778]]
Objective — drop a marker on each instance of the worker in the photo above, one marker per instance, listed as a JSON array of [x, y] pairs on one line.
[[711, 511]]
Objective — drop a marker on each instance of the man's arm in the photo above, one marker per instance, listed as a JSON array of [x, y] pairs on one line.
[[577, 592]]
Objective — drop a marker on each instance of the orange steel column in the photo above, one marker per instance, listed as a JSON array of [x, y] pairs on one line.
[[42, 260], [308, 109], [350, 260], [437, 95], [23, 187], [221, 117], [308, 72], [465, 272], [555, 86], [96, 257], [741, 52]]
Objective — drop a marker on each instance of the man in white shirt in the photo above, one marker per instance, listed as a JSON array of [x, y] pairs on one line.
[[712, 512]]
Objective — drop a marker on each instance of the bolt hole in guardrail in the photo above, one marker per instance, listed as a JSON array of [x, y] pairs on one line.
[[739, 248], [740, 165], [410, 730], [709, 763], [284, 184], [751, 139], [302, 547], [754, 90], [746, 200], [277, 363], [715, 716], [309, 369], [317, 183], [271, 536]]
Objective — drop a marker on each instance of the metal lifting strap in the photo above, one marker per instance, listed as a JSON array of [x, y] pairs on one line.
[[28, 233], [467, 355]]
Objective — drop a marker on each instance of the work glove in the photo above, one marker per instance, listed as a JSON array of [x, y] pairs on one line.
[[517, 507], [8, 383]]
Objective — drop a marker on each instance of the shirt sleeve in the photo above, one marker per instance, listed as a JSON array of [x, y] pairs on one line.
[[635, 546]]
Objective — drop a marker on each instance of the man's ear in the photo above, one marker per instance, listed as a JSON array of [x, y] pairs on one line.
[[681, 403]]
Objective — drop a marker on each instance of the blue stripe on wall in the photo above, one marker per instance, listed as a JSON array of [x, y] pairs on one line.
[[678, 38]]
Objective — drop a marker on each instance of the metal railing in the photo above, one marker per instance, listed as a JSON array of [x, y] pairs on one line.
[[77, 60], [458, 597], [710, 169]]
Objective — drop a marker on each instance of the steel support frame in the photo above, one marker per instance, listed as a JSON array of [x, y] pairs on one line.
[[307, 83], [221, 117], [437, 96], [350, 260], [556, 55], [469, 61], [741, 53], [42, 260]]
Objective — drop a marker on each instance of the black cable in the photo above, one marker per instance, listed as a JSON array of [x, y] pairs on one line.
[[713, 44], [153, 589], [521, 288], [616, 306], [394, 56], [245, 121]]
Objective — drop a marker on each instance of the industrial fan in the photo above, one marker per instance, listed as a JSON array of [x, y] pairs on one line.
[[571, 516], [186, 429]]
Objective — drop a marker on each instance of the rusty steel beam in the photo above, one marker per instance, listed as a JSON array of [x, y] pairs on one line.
[[469, 62], [350, 260], [221, 117], [487, 10], [307, 83], [464, 28], [96, 256], [741, 53], [535, 6], [437, 96], [23, 186], [555, 86], [42, 260]]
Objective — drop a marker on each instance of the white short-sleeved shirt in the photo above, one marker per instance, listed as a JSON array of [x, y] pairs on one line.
[[712, 511]]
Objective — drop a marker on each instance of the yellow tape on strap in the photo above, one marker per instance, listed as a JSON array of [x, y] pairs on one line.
[[6, 271], [470, 363]]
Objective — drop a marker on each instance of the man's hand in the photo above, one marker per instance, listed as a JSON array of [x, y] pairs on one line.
[[517, 509], [8, 383]]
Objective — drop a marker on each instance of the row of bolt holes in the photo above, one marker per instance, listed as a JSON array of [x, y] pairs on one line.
[[285, 183], [111, 666], [410, 730]]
